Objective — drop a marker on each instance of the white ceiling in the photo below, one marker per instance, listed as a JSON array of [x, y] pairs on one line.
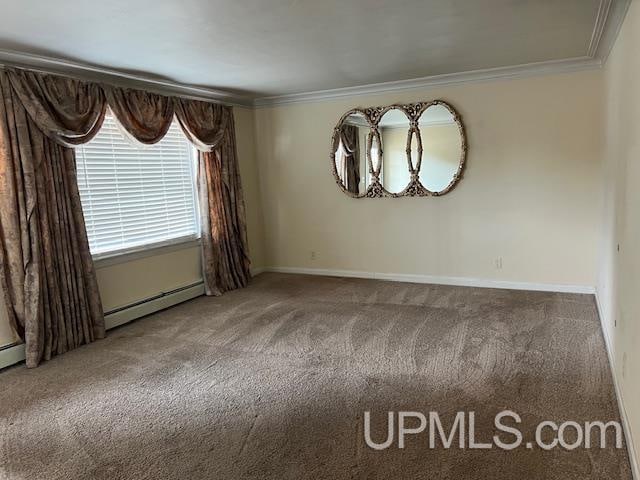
[[263, 48]]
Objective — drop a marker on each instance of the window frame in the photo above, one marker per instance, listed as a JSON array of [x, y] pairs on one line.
[[106, 259], [126, 254]]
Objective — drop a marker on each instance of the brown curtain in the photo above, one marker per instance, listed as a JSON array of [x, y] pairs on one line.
[[145, 116], [204, 124], [225, 253], [351, 146], [45, 265], [65, 110]]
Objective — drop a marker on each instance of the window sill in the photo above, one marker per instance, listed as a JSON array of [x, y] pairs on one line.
[[123, 256]]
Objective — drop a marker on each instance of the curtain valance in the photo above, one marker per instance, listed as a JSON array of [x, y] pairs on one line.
[[68, 111], [71, 111], [203, 125], [145, 116]]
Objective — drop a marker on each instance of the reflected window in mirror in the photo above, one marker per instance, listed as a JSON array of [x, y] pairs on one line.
[[375, 155], [394, 128], [350, 155]]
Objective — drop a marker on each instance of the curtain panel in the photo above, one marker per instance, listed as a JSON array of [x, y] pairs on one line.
[[225, 257], [351, 146], [45, 263], [226, 264]]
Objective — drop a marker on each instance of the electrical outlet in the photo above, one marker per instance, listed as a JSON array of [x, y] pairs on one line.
[[313, 255], [499, 263]]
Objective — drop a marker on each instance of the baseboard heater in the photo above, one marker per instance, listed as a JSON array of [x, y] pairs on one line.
[[125, 314], [12, 354]]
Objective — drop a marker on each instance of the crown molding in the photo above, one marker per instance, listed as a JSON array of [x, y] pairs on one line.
[[422, 123], [436, 123], [614, 15], [359, 121], [85, 71], [598, 27], [82, 71], [609, 20], [519, 71]]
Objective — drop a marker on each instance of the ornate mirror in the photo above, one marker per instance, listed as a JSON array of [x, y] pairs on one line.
[[399, 150]]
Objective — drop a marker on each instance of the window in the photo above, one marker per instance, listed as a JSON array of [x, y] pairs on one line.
[[136, 195]]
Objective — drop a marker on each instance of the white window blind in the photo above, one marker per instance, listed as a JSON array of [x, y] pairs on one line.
[[136, 195]]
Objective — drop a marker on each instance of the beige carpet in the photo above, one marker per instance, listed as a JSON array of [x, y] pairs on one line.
[[271, 382]]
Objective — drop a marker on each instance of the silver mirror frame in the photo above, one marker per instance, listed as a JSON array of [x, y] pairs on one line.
[[414, 111]]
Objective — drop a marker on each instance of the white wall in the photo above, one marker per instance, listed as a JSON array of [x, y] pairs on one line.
[[125, 283], [246, 141], [531, 193], [619, 273]]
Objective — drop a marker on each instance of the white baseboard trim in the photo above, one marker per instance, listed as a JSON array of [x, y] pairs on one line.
[[257, 271], [439, 280], [633, 460], [15, 353]]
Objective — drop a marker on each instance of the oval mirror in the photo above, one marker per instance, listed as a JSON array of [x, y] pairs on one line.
[[443, 145], [349, 154], [393, 128]]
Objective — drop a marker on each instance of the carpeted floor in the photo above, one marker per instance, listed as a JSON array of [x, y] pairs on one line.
[[271, 382]]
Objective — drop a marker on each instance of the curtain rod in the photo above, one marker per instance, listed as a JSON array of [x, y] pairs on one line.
[[79, 71]]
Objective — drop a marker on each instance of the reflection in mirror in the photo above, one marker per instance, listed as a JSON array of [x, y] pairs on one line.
[[394, 129], [442, 144], [375, 152], [350, 154]]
